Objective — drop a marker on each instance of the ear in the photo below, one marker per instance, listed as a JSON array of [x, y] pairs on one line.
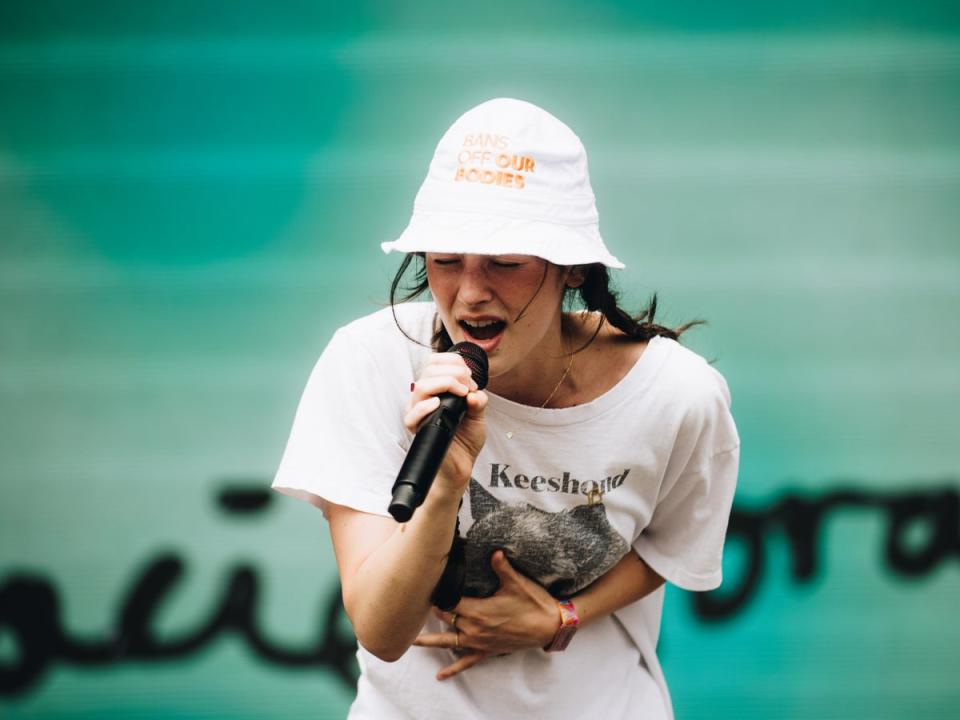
[[576, 274]]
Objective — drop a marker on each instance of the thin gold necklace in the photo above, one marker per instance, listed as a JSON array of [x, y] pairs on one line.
[[511, 433]]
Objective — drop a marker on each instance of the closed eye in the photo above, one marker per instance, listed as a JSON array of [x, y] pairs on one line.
[[508, 260]]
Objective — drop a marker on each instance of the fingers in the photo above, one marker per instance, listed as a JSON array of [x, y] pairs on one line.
[[449, 364], [477, 402], [461, 641], [502, 567], [445, 616], [508, 576], [452, 638], [462, 663], [446, 639], [436, 384], [446, 358], [443, 373], [418, 412], [464, 609]]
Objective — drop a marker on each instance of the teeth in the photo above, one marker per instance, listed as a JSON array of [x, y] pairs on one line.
[[481, 323]]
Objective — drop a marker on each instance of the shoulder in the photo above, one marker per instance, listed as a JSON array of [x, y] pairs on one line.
[[682, 374], [690, 372], [682, 377], [699, 392], [389, 323], [389, 341], [402, 329]]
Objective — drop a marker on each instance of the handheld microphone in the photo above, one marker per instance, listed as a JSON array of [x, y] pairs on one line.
[[430, 444]]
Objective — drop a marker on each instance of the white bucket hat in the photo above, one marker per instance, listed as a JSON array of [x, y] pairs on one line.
[[508, 178]]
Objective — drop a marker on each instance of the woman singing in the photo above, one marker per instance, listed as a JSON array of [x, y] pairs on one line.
[[599, 461]]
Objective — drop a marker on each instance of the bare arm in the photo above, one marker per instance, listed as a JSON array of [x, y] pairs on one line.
[[522, 614], [625, 583], [388, 570]]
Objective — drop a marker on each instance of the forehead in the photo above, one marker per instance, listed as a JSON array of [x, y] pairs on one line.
[[475, 257]]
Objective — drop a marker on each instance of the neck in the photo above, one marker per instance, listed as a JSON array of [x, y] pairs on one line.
[[534, 380]]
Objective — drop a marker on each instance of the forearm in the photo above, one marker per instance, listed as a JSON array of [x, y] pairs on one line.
[[522, 615], [626, 582], [387, 596]]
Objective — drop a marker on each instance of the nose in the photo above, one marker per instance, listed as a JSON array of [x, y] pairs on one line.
[[474, 286]]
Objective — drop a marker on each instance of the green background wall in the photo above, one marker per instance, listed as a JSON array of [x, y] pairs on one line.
[[191, 200]]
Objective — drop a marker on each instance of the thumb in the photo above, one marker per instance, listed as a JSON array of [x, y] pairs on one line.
[[502, 567], [476, 402]]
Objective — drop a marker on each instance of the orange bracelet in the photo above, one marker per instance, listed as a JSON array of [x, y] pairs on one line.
[[569, 621]]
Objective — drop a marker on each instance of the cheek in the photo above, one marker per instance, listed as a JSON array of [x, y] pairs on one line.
[[438, 290], [524, 292], [443, 299], [539, 306]]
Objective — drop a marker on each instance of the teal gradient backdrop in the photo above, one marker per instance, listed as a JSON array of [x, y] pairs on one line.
[[191, 200]]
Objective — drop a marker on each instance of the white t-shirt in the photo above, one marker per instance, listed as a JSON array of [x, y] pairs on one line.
[[652, 464]]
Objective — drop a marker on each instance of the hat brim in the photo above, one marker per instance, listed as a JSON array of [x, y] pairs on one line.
[[475, 233]]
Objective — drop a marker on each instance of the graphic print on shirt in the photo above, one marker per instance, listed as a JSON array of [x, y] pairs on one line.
[[563, 551]]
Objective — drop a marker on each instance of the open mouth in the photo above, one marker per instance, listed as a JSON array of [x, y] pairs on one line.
[[483, 329]]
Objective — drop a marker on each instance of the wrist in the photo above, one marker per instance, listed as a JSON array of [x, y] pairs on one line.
[[433, 526], [443, 496], [569, 622]]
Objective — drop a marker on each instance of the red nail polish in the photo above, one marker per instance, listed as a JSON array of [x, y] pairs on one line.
[[412, 386]]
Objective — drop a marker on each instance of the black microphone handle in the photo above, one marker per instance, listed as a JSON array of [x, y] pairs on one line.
[[427, 451]]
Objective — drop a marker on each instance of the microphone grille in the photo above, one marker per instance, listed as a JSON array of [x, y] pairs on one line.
[[475, 358]]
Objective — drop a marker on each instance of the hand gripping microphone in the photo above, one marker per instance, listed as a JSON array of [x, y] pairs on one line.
[[430, 444]]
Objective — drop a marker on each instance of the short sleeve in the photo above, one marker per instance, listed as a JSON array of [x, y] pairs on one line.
[[347, 440], [684, 539]]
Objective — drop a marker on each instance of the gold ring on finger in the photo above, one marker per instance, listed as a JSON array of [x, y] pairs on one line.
[[453, 619], [456, 642]]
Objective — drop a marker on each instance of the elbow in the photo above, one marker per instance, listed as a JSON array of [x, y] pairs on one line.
[[381, 642], [384, 646], [384, 652]]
